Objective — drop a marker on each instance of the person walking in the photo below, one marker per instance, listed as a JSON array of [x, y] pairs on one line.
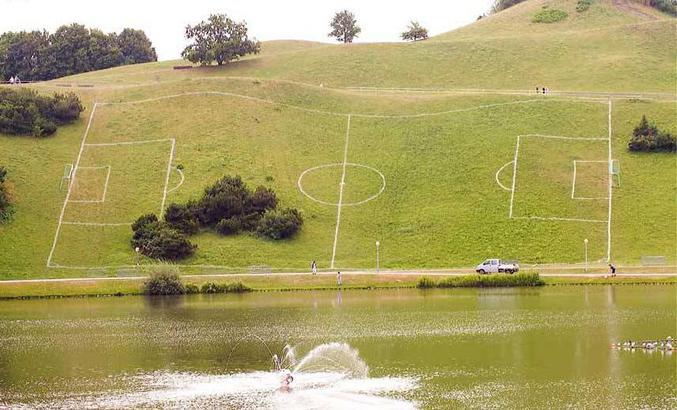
[[11, 80], [339, 279], [612, 268], [313, 267]]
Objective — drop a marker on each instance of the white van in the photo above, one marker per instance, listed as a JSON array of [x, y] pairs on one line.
[[496, 266]]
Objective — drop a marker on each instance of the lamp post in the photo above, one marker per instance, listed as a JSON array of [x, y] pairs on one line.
[[378, 244], [585, 241]]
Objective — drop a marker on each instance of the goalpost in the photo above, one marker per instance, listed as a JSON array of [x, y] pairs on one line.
[[615, 172], [67, 175]]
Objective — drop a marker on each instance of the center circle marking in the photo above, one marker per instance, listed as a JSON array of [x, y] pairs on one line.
[[299, 183]]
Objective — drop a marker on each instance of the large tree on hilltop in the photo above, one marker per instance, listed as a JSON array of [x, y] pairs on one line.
[[218, 39], [415, 32], [135, 47], [344, 27]]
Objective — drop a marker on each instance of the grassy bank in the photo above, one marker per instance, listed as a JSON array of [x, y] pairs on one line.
[[263, 283]]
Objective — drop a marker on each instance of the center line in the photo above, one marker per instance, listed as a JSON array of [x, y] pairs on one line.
[[340, 201]]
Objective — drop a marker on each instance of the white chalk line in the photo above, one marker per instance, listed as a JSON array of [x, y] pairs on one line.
[[610, 195], [169, 171], [97, 223], [559, 137], [557, 218], [109, 144], [498, 173], [340, 201], [183, 178], [299, 183], [514, 176], [105, 188], [70, 185], [333, 113]]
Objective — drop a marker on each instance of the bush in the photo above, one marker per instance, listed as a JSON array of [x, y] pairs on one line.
[[280, 224], [583, 5], [646, 137], [548, 15], [229, 226], [182, 218], [666, 6], [25, 112], [492, 281], [6, 197], [223, 200], [237, 287], [211, 287], [426, 283], [159, 240], [164, 283], [192, 289]]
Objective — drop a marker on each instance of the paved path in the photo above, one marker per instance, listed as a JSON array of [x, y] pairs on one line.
[[346, 273]]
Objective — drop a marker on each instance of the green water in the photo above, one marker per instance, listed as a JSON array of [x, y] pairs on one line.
[[504, 348]]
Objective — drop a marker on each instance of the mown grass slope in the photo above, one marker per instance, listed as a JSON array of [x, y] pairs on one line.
[[441, 206]]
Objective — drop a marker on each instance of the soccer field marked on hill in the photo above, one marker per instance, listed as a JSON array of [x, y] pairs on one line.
[[344, 164]]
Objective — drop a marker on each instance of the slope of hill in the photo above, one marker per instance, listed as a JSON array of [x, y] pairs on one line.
[[602, 49], [440, 179]]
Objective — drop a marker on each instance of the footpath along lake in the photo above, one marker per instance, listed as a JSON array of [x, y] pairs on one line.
[[464, 348]]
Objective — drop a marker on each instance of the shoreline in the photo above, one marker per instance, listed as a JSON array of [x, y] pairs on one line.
[[111, 287]]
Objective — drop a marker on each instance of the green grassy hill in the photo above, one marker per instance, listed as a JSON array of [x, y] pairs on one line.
[[431, 175]]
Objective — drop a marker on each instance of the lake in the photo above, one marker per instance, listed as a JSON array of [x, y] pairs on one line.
[[464, 348]]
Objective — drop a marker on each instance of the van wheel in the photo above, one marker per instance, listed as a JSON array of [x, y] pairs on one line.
[[481, 272]]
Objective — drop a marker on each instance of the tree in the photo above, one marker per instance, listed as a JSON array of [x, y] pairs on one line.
[[415, 32], [70, 47], [135, 47], [646, 137], [23, 54], [344, 27], [103, 51], [218, 39]]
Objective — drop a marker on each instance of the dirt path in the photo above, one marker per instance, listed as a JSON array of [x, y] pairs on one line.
[[632, 8]]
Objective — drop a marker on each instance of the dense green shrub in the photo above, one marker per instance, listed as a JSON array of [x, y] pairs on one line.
[[280, 224], [211, 287], [229, 226], [236, 287], [182, 218], [666, 6], [646, 137], [6, 196], [24, 112], [426, 283], [583, 5], [483, 281], [160, 240], [164, 283], [192, 289], [548, 15], [227, 206]]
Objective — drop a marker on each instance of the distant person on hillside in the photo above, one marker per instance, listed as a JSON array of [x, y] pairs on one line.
[[538, 90], [544, 90], [339, 279], [11, 80], [313, 267], [612, 268]]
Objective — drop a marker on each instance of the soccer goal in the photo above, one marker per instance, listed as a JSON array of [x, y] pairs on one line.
[[67, 175], [615, 172]]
